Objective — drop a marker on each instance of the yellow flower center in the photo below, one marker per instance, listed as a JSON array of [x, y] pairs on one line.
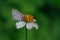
[[28, 18]]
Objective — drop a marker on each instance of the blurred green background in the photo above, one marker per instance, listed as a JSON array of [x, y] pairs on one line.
[[46, 12]]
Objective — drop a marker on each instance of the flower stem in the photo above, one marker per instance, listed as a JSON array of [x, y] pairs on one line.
[[26, 33]]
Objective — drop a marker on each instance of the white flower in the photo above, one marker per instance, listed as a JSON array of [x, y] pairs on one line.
[[24, 20]]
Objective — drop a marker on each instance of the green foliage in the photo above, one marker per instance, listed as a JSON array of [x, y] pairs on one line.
[[49, 23]]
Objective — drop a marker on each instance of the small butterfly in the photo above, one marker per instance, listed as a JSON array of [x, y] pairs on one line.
[[24, 20]]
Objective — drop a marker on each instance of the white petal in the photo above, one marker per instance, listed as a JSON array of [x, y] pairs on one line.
[[20, 24], [34, 20], [29, 26], [35, 25]]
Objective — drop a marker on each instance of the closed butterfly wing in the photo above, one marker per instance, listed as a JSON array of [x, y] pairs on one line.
[[17, 16]]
